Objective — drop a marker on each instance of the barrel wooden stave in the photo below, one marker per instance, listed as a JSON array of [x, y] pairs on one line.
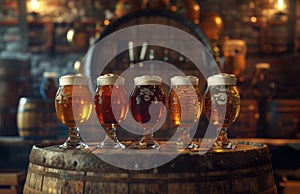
[[246, 170]]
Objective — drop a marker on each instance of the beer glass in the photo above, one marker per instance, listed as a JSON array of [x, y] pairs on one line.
[[185, 106], [147, 102], [73, 103], [222, 106], [111, 107]]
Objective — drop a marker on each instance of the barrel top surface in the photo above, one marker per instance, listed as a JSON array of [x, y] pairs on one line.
[[242, 146], [247, 154], [246, 169]]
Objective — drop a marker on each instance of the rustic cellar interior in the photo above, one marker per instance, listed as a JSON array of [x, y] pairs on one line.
[[258, 41]]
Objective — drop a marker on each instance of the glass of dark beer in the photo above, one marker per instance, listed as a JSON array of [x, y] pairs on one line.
[[147, 106], [185, 105], [73, 103], [222, 106], [111, 107]]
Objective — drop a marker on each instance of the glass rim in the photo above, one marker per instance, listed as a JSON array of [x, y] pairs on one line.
[[73, 79], [147, 80], [110, 79], [222, 79]]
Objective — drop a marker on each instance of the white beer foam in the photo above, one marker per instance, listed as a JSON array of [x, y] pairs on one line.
[[73, 79], [147, 80], [110, 79], [221, 79]]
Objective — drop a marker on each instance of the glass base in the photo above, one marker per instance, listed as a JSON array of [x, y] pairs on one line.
[[111, 140], [149, 144], [74, 141], [184, 140], [146, 146], [222, 142], [110, 144], [182, 145], [71, 145], [220, 145]]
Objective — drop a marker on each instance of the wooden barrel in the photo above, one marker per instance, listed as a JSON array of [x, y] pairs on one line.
[[246, 123], [14, 82], [284, 118], [245, 170], [36, 118]]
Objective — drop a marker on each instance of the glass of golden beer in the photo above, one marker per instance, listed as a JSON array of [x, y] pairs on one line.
[[73, 103], [222, 106], [111, 107], [147, 106], [185, 106]]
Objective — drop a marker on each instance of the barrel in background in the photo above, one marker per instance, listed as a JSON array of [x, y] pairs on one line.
[[14, 83], [36, 118]]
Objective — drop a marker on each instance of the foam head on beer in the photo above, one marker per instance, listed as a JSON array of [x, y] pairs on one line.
[[221, 79], [110, 79], [184, 80], [147, 80], [73, 79]]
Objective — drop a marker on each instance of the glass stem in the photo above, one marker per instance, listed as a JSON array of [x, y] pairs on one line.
[[222, 136], [184, 135], [111, 139], [111, 134], [147, 141], [148, 135], [74, 138]]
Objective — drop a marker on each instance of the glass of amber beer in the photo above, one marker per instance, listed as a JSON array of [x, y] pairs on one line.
[[147, 106], [185, 106], [111, 107], [222, 106], [73, 103]]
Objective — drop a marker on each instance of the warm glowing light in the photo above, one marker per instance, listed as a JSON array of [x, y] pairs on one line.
[[252, 5], [218, 150], [106, 22], [253, 19], [34, 4], [218, 20], [70, 35], [280, 5], [77, 65], [196, 7], [196, 21], [216, 49], [173, 8]]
